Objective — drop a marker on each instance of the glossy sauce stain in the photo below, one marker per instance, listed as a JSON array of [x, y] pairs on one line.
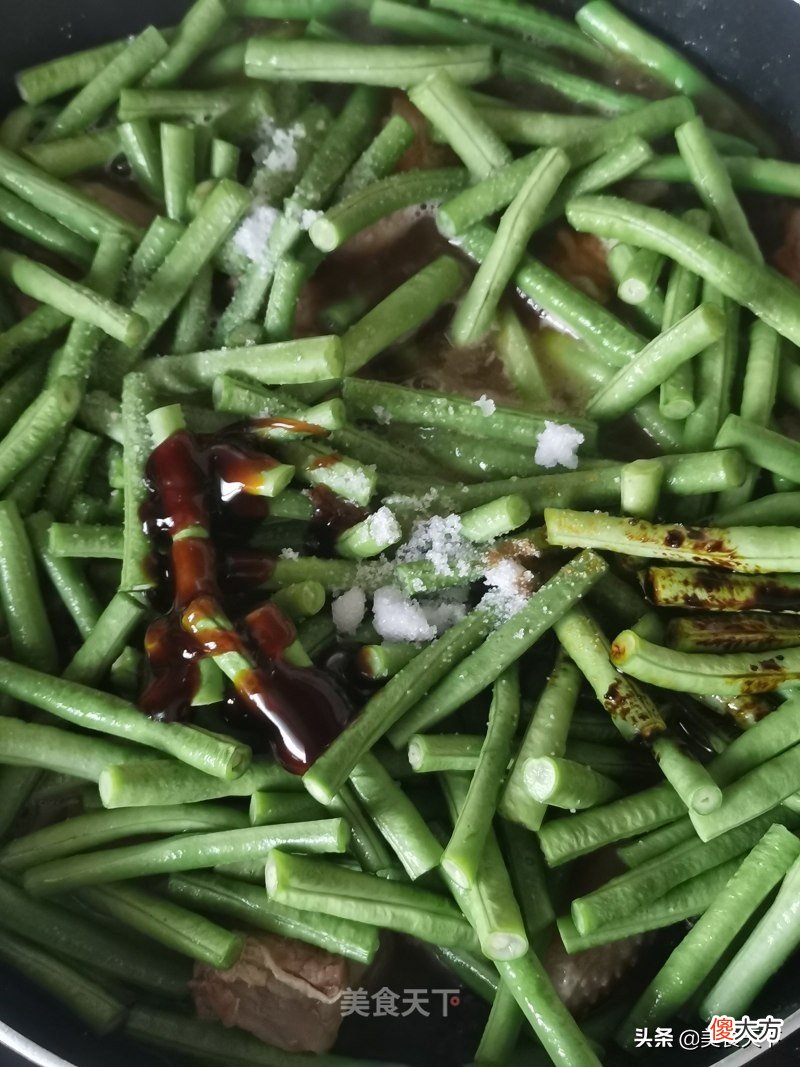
[[202, 510]]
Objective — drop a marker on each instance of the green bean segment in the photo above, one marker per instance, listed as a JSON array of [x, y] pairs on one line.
[[400, 488], [184, 853], [744, 549], [694, 958], [767, 294], [392, 65]]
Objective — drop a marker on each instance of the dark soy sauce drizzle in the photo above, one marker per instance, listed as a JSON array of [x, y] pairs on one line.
[[200, 517]]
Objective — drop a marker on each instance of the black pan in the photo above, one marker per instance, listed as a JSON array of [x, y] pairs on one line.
[[754, 47]]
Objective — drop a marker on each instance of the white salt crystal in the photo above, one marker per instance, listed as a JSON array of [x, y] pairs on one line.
[[397, 618], [308, 217], [252, 236], [418, 503], [384, 527], [348, 610], [381, 415], [289, 553], [444, 612], [372, 573], [277, 147], [438, 540], [509, 589], [485, 405], [557, 446]]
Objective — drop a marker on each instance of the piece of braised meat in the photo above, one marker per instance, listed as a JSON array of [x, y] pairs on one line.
[[787, 257], [585, 979], [285, 992]]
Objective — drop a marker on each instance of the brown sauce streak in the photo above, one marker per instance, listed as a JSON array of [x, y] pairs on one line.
[[206, 489], [619, 704], [298, 426], [325, 461], [742, 633], [725, 592]]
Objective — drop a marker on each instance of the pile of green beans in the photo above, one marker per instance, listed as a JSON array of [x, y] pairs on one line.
[[522, 430]]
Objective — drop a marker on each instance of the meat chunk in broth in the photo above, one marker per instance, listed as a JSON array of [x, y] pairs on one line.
[[284, 991], [787, 257]]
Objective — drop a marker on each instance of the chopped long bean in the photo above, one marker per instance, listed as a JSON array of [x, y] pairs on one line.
[[598, 328], [619, 897], [195, 247], [396, 817], [536, 997], [94, 1005], [768, 295], [167, 923], [462, 856], [310, 359], [685, 901], [755, 792], [402, 311], [444, 752], [616, 32], [400, 694], [657, 361], [197, 1039], [446, 411], [477, 307], [503, 646], [100, 948], [36, 226], [32, 639], [375, 201], [447, 106], [101, 92], [84, 832], [178, 168], [32, 433], [198, 28], [74, 209], [248, 904], [706, 943], [71, 298], [723, 674], [677, 399], [771, 942], [632, 710], [746, 549], [488, 902], [66, 577], [28, 744], [165, 782], [563, 783], [568, 838], [95, 710], [546, 735], [573, 87], [70, 471], [393, 65], [545, 29], [185, 852], [312, 885]]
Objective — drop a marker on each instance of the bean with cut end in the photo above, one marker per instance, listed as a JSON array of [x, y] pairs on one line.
[[249, 905], [745, 549], [186, 852], [167, 923], [767, 294], [693, 959], [94, 1005], [401, 66], [447, 107]]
